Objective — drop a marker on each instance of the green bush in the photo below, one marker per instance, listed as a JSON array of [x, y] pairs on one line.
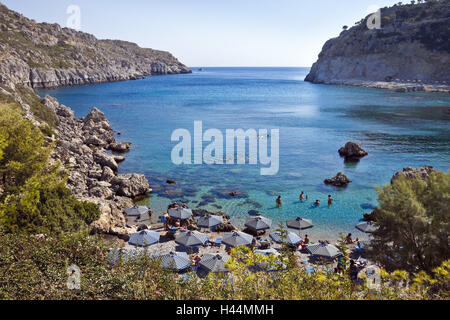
[[34, 197], [36, 268], [413, 221]]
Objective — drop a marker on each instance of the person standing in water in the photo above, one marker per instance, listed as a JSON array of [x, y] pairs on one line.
[[278, 201], [330, 200], [301, 196]]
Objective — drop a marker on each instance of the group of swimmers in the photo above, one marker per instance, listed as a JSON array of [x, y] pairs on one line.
[[304, 196]]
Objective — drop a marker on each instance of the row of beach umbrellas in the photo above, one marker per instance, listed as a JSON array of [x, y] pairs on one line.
[[176, 261], [255, 223]]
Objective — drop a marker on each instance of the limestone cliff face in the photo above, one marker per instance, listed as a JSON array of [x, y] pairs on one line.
[[412, 46], [45, 55]]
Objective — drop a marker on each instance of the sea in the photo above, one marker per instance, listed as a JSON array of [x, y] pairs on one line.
[[313, 120]]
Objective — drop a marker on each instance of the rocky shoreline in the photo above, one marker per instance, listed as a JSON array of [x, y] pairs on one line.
[[83, 147], [393, 86]]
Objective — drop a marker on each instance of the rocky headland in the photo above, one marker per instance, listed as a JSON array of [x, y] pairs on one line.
[[42, 55], [410, 52]]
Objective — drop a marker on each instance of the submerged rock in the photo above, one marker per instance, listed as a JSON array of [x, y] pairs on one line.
[[352, 151], [120, 147], [340, 180]]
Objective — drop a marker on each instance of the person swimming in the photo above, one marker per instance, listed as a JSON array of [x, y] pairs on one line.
[[317, 202], [278, 201]]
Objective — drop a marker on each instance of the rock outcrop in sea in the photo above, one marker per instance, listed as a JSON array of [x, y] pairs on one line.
[[352, 151], [340, 180], [410, 52], [43, 55]]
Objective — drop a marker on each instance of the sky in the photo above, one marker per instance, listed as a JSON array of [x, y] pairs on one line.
[[205, 33]]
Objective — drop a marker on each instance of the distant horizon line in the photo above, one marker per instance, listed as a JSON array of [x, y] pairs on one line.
[[247, 67]]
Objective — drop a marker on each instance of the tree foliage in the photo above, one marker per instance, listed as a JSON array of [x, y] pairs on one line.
[[34, 198], [413, 221], [36, 268], [22, 148]]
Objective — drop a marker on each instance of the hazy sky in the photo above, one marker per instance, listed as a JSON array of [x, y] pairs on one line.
[[213, 32]]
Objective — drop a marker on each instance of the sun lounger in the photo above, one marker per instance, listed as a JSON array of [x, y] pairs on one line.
[[216, 242]]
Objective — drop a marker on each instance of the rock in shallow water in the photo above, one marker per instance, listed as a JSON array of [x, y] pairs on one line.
[[120, 147], [340, 180], [352, 151]]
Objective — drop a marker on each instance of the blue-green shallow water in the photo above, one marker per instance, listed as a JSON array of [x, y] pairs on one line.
[[396, 129]]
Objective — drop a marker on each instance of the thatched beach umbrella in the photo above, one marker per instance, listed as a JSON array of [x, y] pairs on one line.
[[214, 262], [209, 221], [366, 226], [299, 223], [175, 260], [191, 239], [258, 223], [291, 238], [136, 211], [323, 249], [237, 238], [144, 238], [180, 213]]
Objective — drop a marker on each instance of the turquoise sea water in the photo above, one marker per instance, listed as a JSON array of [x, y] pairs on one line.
[[396, 129]]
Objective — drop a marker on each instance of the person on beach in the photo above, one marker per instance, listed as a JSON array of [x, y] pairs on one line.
[[353, 270], [301, 196], [196, 260], [317, 203], [278, 201], [330, 200], [306, 241], [349, 239], [254, 244], [166, 220]]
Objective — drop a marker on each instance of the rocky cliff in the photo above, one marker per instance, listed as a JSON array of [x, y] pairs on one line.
[[36, 55], [44, 55], [410, 52]]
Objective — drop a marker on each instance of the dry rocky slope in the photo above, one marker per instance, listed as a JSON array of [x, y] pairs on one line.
[[44, 55], [411, 51], [36, 55]]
